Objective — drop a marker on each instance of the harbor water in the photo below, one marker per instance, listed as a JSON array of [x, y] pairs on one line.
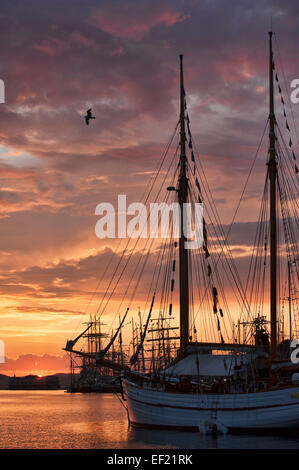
[[59, 420]]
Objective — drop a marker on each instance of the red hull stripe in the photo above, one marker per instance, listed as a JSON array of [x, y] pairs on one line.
[[213, 409]]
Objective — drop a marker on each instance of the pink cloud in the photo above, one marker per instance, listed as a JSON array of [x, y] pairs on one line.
[[30, 362], [44, 47], [133, 21], [49, 251]]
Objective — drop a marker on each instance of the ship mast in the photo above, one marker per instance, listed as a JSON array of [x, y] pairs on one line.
[[182, 198], [273, 228]]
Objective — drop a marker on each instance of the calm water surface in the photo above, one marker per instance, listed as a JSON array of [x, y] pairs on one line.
[[54, 419]]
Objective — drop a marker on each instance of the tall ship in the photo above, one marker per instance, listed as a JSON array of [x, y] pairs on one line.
[[85, 375], [227, 365]]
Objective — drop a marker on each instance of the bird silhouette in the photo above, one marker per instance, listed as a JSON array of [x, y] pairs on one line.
[[88, 116]]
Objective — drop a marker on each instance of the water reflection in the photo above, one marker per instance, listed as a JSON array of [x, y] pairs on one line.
[[54, 419]]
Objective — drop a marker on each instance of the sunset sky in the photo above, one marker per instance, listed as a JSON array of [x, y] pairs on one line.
[[119, 57]]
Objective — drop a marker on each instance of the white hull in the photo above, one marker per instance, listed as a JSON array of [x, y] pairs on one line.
[[277, 409]]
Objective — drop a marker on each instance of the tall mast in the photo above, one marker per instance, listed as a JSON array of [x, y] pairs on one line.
[[290, 300], [273, 229], [182, 197]]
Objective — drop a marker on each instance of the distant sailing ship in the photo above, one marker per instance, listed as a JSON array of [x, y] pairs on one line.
[[85, 375], [247, 382]]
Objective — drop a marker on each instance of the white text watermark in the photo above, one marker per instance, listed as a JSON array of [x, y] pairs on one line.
[[2, 91], [295, 92], [163, 221], [2, 352], [295, 352]]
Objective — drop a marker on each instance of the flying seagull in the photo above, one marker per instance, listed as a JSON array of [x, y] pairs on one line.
[[88, 116]]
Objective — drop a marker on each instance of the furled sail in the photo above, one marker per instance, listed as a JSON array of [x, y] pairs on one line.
[[71, 342], [134, 357], [102, 353]]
